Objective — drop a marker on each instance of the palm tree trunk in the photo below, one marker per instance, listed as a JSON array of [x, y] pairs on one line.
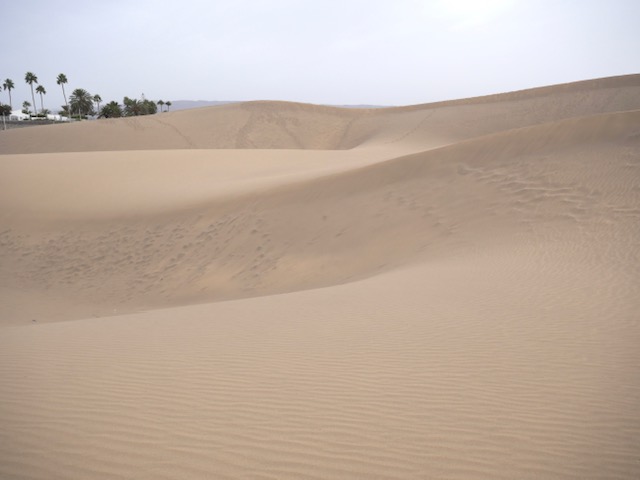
[[65, 100], [33, 97], [41, 104], [10, 102]]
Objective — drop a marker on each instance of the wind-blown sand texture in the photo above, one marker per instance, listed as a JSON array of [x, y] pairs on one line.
[[286, 291]]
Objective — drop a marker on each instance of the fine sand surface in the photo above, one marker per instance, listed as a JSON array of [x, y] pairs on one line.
[[282, 291]]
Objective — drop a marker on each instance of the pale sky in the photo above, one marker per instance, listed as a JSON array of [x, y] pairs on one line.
[[379, 52]]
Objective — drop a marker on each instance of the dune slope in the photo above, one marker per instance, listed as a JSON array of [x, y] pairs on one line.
[[286, 125], [290, 291], [184, 235]]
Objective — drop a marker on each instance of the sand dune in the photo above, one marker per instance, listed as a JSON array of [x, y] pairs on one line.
[[285, 125], [277, 290]]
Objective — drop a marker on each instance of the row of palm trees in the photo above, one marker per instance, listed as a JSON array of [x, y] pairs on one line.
[[82, 101], [163, 103], [30, 78]]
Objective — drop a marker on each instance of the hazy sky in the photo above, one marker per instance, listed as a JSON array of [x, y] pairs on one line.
[[383, 52]]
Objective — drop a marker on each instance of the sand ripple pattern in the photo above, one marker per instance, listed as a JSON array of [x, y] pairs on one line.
[[284, 291]]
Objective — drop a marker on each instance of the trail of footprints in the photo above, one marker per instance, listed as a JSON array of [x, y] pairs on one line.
[[239, 248], [135, 261], [536, 195]]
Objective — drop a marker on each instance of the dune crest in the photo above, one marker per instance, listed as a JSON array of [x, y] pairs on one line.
[[279, 290], [288, 125]]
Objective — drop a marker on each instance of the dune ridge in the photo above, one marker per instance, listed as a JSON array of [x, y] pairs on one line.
[[279, 290], [288, 125]]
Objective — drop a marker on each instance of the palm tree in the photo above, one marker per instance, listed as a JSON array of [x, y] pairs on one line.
[[62, 79], [40, 89], [161, 103], [25, 107], [8, 85], [97, 99], [111, 110], [30, 78], [168, 104], [132, 107], [81, 102]]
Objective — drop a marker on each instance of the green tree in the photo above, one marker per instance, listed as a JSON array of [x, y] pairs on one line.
[[61, 80], [8, 85], [30, 78], [168, 104], [111, 110], [132, 107], [40, 89], [97, 99], [26, 108], [81, 102], [149, 107], [161, 103]]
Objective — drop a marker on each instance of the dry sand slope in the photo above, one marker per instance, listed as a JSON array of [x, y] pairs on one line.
[[437, 291]]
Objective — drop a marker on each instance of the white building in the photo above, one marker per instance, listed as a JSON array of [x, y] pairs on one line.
[[18, 115], [57, 118]]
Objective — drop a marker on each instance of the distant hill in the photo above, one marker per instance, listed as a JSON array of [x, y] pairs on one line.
[[187, 104]]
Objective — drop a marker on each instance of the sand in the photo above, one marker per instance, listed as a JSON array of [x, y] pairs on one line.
[[279, 290]]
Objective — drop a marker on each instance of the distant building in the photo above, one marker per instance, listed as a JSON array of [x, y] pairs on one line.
[[57, 118], [18, 115]]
